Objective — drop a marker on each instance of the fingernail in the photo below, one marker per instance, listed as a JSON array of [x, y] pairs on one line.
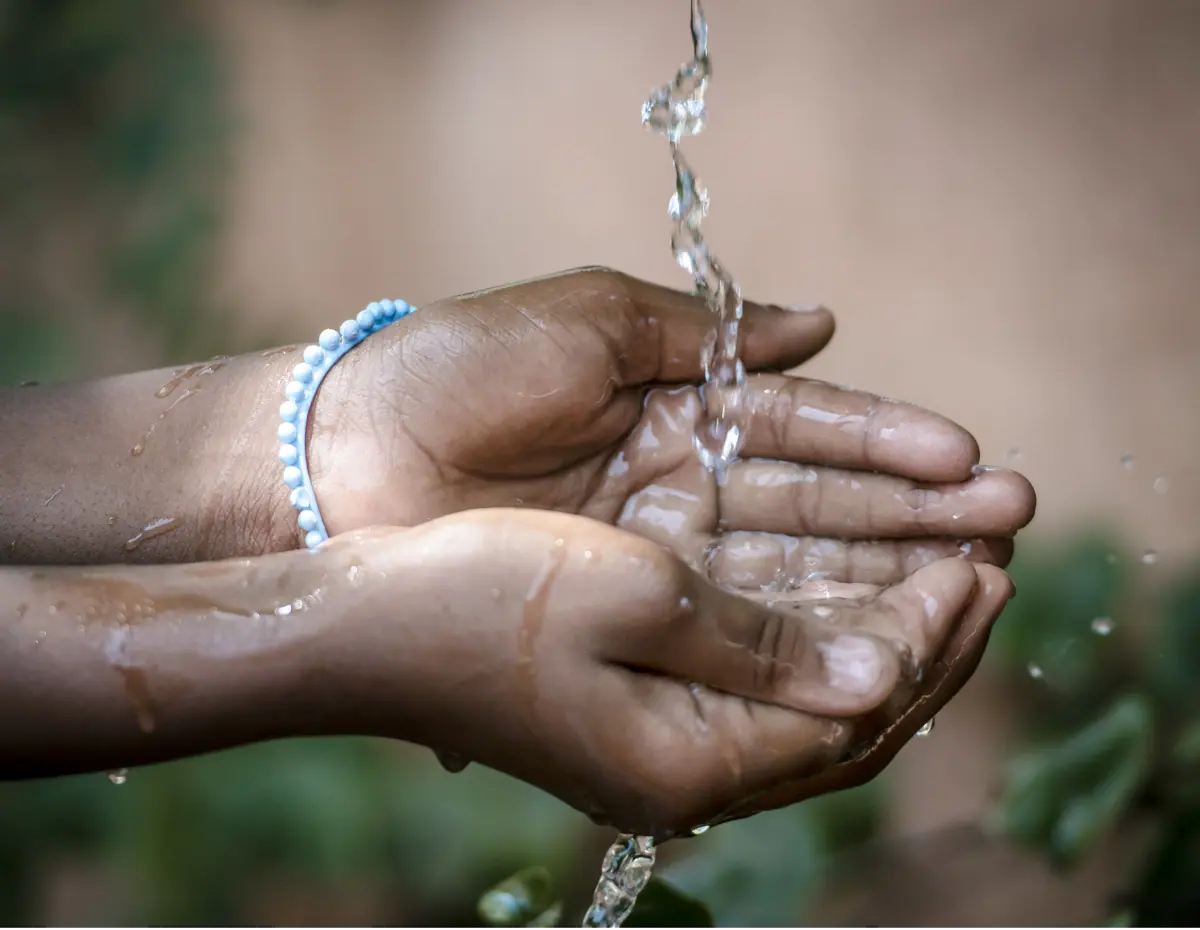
[[805, 308], [853, 664]]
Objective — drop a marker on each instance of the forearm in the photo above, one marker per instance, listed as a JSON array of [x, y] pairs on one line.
[[128, 665], [174, 465]]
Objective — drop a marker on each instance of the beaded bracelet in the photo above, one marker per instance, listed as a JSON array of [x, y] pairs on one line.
[[300, 391]]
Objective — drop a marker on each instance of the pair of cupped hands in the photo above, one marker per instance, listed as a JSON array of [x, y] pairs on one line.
[[609, 621]]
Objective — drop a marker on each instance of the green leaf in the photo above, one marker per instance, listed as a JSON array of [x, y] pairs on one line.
[[1178, 653], [526, 899], [661, 904], [1063, 797], [1170, 890]]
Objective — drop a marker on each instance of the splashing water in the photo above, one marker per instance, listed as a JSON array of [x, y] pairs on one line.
[[676, 110]]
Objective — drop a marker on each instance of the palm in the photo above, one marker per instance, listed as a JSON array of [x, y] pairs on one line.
[[575, 394]]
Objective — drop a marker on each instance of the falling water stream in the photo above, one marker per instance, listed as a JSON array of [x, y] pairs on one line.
[[676, 110]]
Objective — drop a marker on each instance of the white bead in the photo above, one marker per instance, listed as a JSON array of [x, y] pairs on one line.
[[299, 498], [287, 432], [292, 477], [366, 320], [303, 372], [313, 539], [294, 390], [350, 331], [288, 411], [307, 520], [314, 355], [289, 454], [330, 339]]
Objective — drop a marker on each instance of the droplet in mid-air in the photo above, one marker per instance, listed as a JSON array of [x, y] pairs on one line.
[[1102, 626], [1161, 485], [1035, 670], [926, 727], [118, 776], [1127, 461], [1014, 454], [1149, 557]]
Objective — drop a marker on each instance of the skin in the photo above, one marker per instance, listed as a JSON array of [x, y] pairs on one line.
[[673, 704], [649, 644]]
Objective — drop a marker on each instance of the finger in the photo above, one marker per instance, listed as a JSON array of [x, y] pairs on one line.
[[841, 660], [961, 657], [810, 421], [776, 562], [786, 497], [680, 325]]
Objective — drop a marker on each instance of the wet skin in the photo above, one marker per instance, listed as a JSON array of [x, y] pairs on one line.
[[657, 649]]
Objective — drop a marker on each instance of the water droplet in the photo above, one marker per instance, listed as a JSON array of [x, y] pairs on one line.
[[159, 527], [452, 762], [685, 603], [560, 541], [283, 610], [1035, 671], [1102, 626], [926, 727], [701, 830], [588, 555], [1149, 557], [1127, 461], [1014, 454], [1161, 485], [118, 776]]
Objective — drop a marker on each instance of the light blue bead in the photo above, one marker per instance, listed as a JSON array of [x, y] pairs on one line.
[[350, 331], [292, 477], [294, 390], [299, 499], [287, 432], [314, 355], [366, 319], [389, 309], [307, 520], [289, 454], [303, 372], [288, 411], [330, 339], [403, 308], [313, 539], [376, 307]]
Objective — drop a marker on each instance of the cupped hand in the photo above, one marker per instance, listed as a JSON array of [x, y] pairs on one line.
[[593, 663], [578, 393]]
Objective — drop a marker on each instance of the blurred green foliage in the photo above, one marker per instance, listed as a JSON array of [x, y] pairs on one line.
[[1106, 669], [113, 145]]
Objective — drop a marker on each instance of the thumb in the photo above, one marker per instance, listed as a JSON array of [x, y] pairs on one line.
[[773, 338], [829, 657]]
